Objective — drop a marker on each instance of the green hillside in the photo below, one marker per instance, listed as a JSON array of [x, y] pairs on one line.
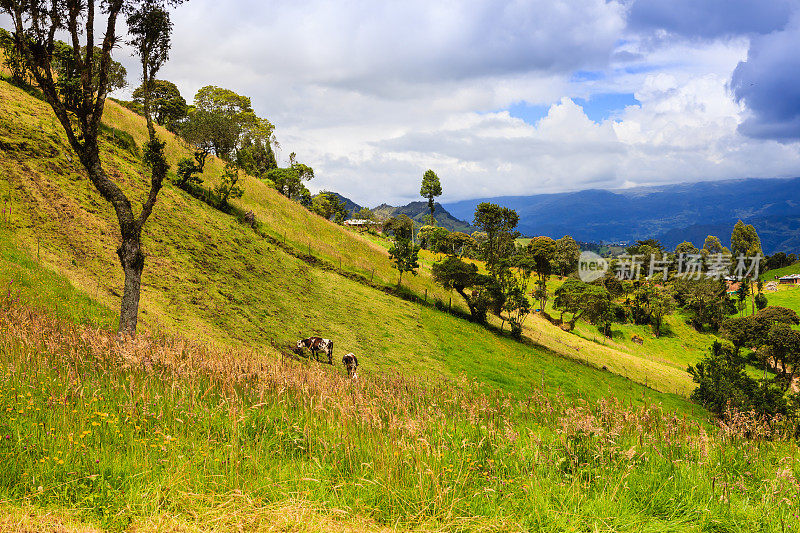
[[200, 425], [212, 278], [166, 435], [780, 272]]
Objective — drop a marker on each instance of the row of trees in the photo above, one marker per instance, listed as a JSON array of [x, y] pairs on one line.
[[511, 269], [224, 123]]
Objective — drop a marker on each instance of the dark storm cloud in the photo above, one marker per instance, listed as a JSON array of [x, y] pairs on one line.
[[710, 18], [769, 84]]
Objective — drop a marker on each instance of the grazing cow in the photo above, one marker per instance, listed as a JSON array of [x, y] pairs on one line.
[[316, 345], [350, 362]]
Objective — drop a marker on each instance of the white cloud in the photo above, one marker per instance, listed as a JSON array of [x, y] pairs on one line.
[[373, 93]]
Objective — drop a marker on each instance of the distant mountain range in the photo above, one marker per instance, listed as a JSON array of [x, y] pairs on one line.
[[671, 213], [419, 212]]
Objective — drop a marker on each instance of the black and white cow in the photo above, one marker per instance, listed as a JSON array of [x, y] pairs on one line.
[[350, 362], [317, 345]]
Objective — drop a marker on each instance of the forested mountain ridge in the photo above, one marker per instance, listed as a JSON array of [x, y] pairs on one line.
[[671, 213], [419, 213]]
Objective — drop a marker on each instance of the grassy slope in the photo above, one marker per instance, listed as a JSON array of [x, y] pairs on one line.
[[148, 434], [284, 220], [779, 272], [214, 279], [785, 297], [280, 217]]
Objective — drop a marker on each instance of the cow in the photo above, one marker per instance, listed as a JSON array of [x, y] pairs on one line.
[[350, 362], [316, 345]]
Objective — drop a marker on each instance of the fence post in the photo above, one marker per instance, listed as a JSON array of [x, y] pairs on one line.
[[426, 295]]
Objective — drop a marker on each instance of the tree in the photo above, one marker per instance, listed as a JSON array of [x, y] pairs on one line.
[[582, 300], [660, 304], [498, 224], [228, 187], [649, 305], [187, 173], [289, 181], [401, 226], [453, 273], [542, 252], [515, 298], [431, 188], [434, 238], [196, 130], [169, 107], [518, 307], [705, 299], [761, 301], [722, 381], [745, 241], [566, 256], [255, 156], [686, 248], [328, 206], [783, 346], [228, 118], [405, 256], [364, 213], [12, 59], [713, 246], [79, 106], [459, 243], [752, 331]]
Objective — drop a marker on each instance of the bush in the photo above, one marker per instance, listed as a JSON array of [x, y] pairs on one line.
[[724, 385], [121, 139]]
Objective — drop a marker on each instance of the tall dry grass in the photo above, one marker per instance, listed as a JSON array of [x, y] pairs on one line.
[[119, 431]]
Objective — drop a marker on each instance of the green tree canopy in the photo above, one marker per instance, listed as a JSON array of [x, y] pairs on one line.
[[289, 181], [169, 107], [68, 73], [713, 246], [580, 299], [364, 213], [566, 256], [745, 240], [434, 238], [453, 273], [459, 243], [405, 256], [498, 224], [430, 189], [542, 251], [228, 118], [328, 206], [401, 226], [686, 248]]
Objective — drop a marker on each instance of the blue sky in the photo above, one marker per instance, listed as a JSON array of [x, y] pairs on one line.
[[506, 97], [598, 107]]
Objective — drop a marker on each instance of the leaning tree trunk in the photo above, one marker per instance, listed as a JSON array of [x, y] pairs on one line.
[[132, 260]]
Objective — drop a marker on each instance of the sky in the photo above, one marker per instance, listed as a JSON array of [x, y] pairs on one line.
[[506, 98]]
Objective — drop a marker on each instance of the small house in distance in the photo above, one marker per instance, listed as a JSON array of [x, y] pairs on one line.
[[360, 223], [791, 279]]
